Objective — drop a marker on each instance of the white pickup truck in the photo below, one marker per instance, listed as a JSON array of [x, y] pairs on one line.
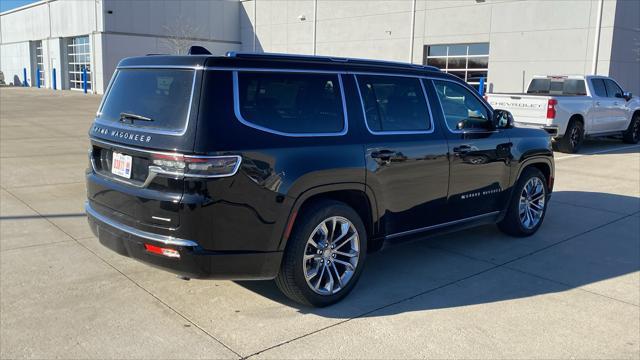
[[573, 107]]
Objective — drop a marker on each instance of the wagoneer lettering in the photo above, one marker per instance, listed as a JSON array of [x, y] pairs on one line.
[[294, 168]]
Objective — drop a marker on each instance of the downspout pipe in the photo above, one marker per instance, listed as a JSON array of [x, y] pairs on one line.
[[596, 42], [413, 30], [315, 25]]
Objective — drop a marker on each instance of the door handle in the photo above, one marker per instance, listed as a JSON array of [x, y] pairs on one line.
[[464, 149], [597, 103], [384, 155]]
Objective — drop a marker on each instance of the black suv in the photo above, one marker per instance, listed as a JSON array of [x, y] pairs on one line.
[[251, 166]]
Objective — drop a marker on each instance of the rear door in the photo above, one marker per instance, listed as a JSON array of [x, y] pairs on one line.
[[145, 117], [479, 155], [406, 155]]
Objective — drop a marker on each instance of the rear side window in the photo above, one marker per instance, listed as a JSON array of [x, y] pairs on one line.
[[291, 103], [149, 98], [599, 87], [394, 103]]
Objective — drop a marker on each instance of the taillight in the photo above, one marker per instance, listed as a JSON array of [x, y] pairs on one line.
[[162, 251], [197, 166], [551, 108]]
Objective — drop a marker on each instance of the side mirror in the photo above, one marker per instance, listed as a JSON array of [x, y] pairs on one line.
[[627, 95], [502, 119]]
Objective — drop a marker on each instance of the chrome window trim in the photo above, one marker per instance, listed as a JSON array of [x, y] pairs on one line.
[[99, 112], [146, 129], [236, 104], [272, 70], [455, 131], [404, 132], [188, 67], [437, 226], [164, 239]]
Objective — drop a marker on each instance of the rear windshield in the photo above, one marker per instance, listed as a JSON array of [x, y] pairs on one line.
[[557, 87], [149, 98]]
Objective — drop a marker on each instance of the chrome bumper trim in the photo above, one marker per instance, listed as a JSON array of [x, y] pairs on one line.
[[167, 240]]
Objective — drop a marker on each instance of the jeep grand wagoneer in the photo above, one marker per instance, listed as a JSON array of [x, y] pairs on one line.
[[293, 168]]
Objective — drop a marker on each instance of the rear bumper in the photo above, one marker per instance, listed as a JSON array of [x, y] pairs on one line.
[[552, 130], [194, 261]]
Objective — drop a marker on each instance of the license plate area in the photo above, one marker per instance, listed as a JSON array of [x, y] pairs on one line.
[[121, 165]]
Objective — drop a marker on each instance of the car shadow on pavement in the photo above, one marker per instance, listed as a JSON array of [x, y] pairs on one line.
[[575, 247]]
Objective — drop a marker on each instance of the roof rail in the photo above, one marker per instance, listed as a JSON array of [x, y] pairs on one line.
[[277, 56]]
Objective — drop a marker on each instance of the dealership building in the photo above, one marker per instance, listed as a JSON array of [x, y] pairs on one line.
[[506, 42]]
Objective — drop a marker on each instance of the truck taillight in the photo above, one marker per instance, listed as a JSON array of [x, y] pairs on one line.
[[196, 166], [551, 108]]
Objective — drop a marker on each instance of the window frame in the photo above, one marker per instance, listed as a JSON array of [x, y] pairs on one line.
[[395, 132], [474, 93], [606, 88], [73, 58], [121, 126], [467, 56], [242, 120]]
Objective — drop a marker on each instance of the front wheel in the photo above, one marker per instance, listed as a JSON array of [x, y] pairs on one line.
[[632, 134], [324, 255], [528, 205]]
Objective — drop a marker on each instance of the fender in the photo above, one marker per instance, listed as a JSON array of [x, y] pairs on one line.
[[322, 189], [521, 165], [536, 160]]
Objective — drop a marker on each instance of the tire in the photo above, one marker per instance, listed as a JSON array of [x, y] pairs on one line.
[[292, 280], [572, 138], [514, 222], [632, 134]]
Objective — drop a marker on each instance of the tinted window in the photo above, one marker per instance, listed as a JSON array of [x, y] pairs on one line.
[[291, 102], [394, 103], [461, 108], [599, 87], [160, 95], [557, 87], [613, 90]]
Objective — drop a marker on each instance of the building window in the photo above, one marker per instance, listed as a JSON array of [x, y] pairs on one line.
[[79, 55], [470, 62], [40, 62]]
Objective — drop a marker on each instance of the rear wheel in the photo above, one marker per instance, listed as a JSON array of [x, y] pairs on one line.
[[632, 134], [324, 255], [528, 205], [572, 139]]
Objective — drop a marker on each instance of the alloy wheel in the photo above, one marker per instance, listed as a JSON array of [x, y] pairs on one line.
[[574, 137], [331, 255], [532, 203]]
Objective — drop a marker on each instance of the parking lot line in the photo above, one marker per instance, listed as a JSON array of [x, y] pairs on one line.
[[597, 152]]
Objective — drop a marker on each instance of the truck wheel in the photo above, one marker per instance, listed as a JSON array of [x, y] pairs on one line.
[[572, 138], [528, 204], [325, 254], [632, 134]]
